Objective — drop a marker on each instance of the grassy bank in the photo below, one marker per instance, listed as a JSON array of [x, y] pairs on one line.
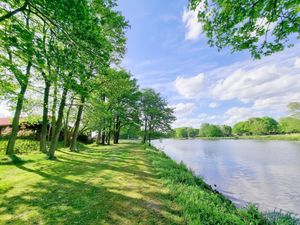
[[124, 184], [284, 137]]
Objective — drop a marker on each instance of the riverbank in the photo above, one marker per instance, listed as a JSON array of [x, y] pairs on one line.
[[123, 184], [278, 137]]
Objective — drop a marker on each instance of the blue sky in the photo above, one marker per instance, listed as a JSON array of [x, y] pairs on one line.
[[167, 51]]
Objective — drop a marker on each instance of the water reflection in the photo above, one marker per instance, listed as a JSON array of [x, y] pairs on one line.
[[266, 173]]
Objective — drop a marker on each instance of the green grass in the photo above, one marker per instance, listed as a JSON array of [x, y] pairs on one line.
[[123, 184], [286, 137], [99, 185]]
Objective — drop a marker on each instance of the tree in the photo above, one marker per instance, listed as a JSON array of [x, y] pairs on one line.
[[181, 132], [17, 43], [289, 125], [262, 27], [241, 128], [210, 130], [226, 130], [155, 114], [294, 108], [64, 43]]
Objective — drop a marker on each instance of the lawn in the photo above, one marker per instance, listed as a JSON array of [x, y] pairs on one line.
[[99, 185]]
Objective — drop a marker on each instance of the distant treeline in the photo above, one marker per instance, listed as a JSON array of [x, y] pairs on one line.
[[252, 126]]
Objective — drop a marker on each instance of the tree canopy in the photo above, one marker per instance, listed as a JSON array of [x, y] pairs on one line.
[[262, 27]]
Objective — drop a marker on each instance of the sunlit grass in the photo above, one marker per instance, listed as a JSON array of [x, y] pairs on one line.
[[99, 185]]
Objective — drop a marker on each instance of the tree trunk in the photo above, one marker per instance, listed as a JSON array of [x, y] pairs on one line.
[[108, 138], [58, 125], [43, 138], [103, 137], [145, 131], [98, 137], [117, 131], [15, 124], [149, 135], [77, 124], [66, 125], [53, 110]]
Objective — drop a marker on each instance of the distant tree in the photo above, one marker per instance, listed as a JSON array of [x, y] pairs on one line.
[[241, 128], [289, 125], [226, 130], [192, 132], [210, 130], [294, 108], [262, 27], [156, 116], [270, 125], [181, 132], [256, 126]]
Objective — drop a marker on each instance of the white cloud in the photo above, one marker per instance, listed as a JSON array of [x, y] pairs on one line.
[[237, 114], [190, 20], [183, 109], [196, 121], [261, 83], [190, 87], [213, 105], [297, 63]]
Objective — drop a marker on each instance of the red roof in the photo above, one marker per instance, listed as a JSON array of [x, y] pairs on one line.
[[5, 122]]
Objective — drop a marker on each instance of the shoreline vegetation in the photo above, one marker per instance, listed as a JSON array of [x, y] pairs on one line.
[[274, 137], [96, 184]]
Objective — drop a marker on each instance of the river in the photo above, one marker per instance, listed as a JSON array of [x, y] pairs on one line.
[[266, 173]]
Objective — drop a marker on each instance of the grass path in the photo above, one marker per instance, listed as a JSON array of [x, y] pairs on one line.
[[100, 185]]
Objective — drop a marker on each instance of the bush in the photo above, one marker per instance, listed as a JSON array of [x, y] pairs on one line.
[[22, 145]]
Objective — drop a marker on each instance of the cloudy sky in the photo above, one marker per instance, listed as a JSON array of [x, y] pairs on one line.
[[168, 52]]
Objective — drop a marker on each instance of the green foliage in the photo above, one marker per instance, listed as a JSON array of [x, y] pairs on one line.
[[156, 116], [23, 146], [226, 130], [181, 132], [241, 128], [294, 108], [262, 27], [289, 125], [210, 130], [256, 126], [186, 132]]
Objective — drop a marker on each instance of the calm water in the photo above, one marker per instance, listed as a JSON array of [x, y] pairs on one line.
[[266, 173]]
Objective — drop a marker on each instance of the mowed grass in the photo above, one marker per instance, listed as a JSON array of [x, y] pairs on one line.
[[99, 185]]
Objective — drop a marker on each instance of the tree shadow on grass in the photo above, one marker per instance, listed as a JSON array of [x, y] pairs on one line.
[[57, 199]]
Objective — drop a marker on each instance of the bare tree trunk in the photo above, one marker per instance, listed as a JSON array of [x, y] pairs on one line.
[[98, 137], [43, 138], [145, 131], [15, 123], [103, 136], [53, 110], [77, 124], [58, 125], [149, 135], [117, 131], [66, 125]]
